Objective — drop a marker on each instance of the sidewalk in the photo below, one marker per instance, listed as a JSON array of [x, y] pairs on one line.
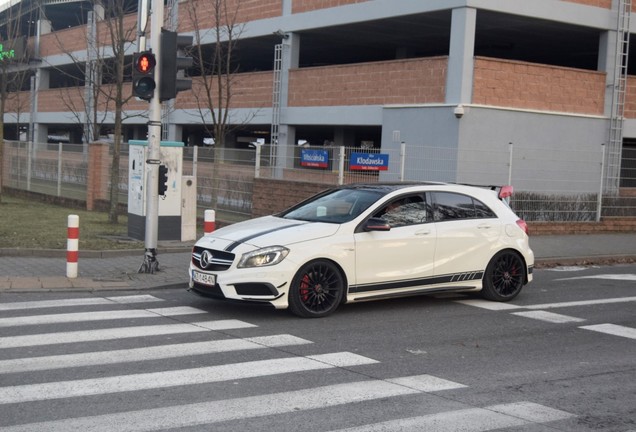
[[38, 270]]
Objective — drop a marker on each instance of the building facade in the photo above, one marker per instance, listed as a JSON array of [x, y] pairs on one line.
[[468, 79]]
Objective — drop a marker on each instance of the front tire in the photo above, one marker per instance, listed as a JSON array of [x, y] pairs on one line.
[[504, 277], [316, 290]]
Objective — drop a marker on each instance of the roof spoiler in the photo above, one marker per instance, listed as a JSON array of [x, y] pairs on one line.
[[503, 192]]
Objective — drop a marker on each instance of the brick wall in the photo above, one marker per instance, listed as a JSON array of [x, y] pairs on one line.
[[201, 14], [67, 40], [525, 85], [299, 6], [630, 98], [99, 163], [249, 90], [18, 102], [271, 196], [608, 225], [606, 4], [377, 83]]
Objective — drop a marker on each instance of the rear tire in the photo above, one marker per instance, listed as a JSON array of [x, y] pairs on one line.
[[504, 277], [316, 290]]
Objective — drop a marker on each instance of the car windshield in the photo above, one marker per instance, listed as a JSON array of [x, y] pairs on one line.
[[337, 206]]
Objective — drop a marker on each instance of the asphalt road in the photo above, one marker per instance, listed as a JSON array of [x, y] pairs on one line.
[[560, 357]]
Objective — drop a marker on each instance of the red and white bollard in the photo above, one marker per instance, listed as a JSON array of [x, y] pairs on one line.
[[72, 246], [209, 223]]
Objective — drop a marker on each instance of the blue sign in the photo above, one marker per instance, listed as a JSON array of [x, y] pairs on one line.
[[369, 162], [314, 158]]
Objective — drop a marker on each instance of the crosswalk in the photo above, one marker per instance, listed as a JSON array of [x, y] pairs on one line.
[[541, 312], [150, 368]]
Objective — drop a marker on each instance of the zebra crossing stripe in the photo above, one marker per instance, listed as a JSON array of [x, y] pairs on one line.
[[88, 301], [119, 333], [612, 329], [487, 304], [206, 413], [548, 317], [470, 420], [224, 410], [143, 354], [97, 316], [154, 380]]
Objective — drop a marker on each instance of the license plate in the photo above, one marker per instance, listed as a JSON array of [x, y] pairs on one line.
[[204, 278]]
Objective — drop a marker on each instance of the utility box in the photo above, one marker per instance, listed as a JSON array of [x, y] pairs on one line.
[[188, 208], [169, 211]]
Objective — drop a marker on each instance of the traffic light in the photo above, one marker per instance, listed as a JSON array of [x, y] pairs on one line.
[[171, 63], [163, 179], [143, 75]]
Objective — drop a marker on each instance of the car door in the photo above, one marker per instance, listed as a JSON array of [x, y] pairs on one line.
[[401, 258], [467, 236]]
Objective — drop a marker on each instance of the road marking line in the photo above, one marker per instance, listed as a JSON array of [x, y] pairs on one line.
[[88, 301], [224, 410], [97, 316], [496, 306], [580, 303], [531, 411], [155, 380], [548, 317], [426, 383], [625, 277], [490, 305], [612, 329], [144, 354], [119, 333], [469, 420]]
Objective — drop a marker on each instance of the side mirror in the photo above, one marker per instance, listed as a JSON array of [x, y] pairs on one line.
[[376, 224]]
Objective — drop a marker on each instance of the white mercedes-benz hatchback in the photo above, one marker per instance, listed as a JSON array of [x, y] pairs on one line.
[[367, 242]]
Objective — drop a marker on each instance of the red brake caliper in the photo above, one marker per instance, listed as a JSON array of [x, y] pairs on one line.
[[304, 288]]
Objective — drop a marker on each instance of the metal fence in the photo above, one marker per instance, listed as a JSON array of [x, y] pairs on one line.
[[566, 186]]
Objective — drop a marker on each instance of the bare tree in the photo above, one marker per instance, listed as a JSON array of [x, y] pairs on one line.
[[103, 74], [213, 90], [13, 74]]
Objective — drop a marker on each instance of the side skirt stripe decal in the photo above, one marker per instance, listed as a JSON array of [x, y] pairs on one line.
[[434, 280]]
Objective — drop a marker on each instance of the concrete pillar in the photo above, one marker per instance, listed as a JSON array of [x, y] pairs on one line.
[[607, 64], [287, 7], [175, 132], [287, 133], [459, 79]]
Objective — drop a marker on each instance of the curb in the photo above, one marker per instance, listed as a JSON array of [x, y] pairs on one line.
[[61, 253]]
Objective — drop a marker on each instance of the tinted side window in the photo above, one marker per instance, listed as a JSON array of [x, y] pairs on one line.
[[450, 206], [410, 210]]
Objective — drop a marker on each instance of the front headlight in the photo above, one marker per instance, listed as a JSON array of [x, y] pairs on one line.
[[263, 257]]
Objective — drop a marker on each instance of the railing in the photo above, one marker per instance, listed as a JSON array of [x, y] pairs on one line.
[[562, 187]]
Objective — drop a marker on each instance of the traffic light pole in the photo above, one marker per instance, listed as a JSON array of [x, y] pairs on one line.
[[151, 264]]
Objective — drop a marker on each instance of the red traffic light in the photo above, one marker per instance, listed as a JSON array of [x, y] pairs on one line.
[[145, 62]]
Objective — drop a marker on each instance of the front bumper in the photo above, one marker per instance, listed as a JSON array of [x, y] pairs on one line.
[[245, 285]]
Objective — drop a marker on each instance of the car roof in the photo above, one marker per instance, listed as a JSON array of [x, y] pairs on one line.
[[388, 187]]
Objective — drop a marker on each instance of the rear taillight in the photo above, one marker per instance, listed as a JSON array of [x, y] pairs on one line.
[[523, 225]]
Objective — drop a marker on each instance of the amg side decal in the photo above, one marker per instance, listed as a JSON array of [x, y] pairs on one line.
[[409, 283], [234, 245]]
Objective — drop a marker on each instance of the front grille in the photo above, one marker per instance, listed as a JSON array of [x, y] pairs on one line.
[[255, 289], [219, 261]]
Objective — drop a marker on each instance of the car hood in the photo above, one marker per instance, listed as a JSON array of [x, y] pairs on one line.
[[266, 231]]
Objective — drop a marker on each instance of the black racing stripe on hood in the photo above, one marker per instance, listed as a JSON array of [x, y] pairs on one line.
[[234, 245]]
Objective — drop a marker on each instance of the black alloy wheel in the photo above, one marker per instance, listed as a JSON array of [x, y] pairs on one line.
[[316, 290], [504, 277]]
